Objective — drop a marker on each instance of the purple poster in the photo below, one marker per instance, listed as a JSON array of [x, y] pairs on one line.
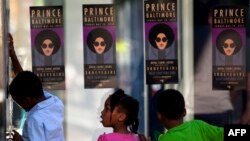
[[161, 41], [99, 42], [47, 43], [229, 47]]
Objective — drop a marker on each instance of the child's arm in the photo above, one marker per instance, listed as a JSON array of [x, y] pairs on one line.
[[16, 67], [143, 137]]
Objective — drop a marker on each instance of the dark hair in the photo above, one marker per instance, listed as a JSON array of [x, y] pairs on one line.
[[99, 32], [129, 105], [47, 34], [26, 84], [161, 28], [229, 34], [170, 103]]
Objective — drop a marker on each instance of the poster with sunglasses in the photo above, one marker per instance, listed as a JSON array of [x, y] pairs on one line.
[[99, 42], [229, 47], [47, 44], [161, 41]]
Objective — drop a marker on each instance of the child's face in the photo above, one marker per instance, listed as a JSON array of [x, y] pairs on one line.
[[109, 118], [24, 102], [106, 113]]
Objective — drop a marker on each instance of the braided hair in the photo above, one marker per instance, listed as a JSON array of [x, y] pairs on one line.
[[130, 105]]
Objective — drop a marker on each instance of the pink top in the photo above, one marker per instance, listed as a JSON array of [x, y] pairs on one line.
[[118, 137]]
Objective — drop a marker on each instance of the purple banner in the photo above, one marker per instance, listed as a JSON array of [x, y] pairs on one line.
[[161, 41], [99, 42], [229, 47], [47, 45]]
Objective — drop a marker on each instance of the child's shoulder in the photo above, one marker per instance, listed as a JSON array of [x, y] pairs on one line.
[[197, 121], [118, 136], [205, 125]]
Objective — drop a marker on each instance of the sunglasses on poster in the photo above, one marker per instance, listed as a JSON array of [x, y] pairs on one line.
[[99, 43], [47, 45], [164, 39], [229, 45]]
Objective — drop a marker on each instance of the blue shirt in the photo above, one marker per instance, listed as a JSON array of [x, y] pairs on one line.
[[44, 122]]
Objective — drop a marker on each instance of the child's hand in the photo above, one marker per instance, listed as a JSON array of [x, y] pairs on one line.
[[9, 135], [143, 138], [17, 136], [13, 136]]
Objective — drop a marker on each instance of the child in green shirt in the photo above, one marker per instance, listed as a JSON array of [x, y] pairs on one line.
[[171, 110]]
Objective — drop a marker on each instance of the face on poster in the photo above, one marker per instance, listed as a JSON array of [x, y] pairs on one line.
[[161, 40], [99, 45], [47, 47], [229, 43], [47, 42]]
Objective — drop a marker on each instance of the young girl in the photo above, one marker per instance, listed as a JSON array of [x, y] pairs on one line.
[[121, 113]]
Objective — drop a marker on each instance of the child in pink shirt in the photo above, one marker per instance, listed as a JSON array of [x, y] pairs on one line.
[[121, 113]]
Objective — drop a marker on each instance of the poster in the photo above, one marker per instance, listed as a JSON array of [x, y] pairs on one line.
[[99, 42], [229, 47], [161, 41], [47, 43]]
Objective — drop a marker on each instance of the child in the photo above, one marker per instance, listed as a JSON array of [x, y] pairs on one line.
[[121, 113], [171, 110], [45, 112]]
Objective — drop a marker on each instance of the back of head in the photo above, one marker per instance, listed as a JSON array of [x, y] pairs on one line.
[[26, 84], [170, 103], [129, 105]]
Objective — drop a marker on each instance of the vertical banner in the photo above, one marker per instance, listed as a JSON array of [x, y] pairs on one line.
[[47, 41], [161, 41], [99, 38], [229, 47]]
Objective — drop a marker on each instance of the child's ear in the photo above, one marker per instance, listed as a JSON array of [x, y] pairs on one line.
[[29, 100], [184, 113], [159, 115], [122, 116]]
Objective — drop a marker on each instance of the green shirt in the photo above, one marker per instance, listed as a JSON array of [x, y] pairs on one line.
[[195, 130]]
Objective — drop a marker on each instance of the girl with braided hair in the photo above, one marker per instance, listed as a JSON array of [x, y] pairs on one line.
[[121, 113]]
